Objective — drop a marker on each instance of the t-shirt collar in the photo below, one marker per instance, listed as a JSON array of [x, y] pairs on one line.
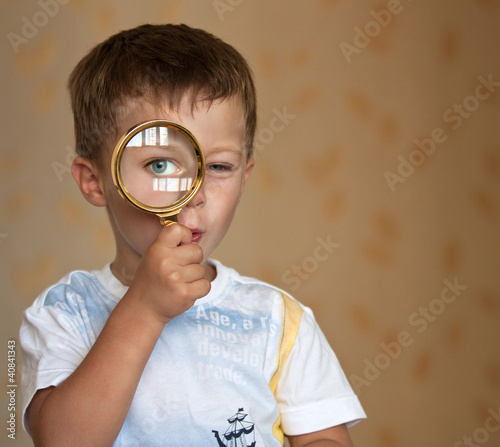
[[117, 289]]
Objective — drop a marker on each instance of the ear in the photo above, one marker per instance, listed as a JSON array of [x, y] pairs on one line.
[[89, 180], [248, 171]]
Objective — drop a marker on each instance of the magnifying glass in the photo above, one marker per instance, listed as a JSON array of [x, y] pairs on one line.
[[158, 167]]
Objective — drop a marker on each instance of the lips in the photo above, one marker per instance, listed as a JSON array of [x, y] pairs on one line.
[[197, 234]]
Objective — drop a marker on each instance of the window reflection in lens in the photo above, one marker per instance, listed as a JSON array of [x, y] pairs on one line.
[[158, 166]]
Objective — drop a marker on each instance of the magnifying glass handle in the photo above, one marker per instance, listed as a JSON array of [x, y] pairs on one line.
[[168, 220]]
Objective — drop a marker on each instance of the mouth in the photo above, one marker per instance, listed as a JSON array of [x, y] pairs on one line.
[[197, 235]]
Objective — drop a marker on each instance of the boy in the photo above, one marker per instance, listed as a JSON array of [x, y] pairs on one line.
[[165, 346]]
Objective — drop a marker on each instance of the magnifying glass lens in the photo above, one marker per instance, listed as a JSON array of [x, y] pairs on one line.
[[158, 166]]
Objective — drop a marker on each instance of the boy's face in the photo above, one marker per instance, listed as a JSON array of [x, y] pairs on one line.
[[220, 130]]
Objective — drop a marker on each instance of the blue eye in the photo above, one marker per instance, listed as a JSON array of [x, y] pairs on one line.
[[219, 167], [162, 166]]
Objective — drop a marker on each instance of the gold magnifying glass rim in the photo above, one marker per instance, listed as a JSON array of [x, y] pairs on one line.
[[175, 207]]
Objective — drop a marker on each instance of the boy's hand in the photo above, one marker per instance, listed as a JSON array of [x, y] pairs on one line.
[[170, 277]]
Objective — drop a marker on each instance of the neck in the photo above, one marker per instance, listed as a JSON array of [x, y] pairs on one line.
[[210, 271], [122, 270]]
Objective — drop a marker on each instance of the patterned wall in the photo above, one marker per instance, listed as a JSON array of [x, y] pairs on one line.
[[375, 199]]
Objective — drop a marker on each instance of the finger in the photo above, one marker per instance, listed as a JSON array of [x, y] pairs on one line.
[[193, 272], [174, 235], [187, 254], [200, 288]]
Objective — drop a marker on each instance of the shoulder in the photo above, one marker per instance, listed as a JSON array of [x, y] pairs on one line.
[[263, 294], [70, 292], [76, 305], [250, 283], [297, 320]]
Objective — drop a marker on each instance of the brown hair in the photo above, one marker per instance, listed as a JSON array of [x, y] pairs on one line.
[[154, 62]]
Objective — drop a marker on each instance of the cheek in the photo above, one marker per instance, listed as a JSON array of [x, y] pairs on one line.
[[141, 233], [223, 198], [138, 228], [221, 215]]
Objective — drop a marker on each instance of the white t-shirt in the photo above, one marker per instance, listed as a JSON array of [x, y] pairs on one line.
[[242, 357]]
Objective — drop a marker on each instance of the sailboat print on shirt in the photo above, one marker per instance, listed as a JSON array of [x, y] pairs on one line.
[[238, 433]]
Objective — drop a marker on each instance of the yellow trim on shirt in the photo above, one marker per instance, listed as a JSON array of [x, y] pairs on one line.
[[291, 314]]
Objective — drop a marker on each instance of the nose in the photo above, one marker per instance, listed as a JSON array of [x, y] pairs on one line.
[[199, 199]]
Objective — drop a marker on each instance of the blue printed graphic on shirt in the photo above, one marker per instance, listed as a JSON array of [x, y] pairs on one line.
[[208, 363]]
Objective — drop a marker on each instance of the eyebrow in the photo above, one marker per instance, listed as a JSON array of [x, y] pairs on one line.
[[231, 149]]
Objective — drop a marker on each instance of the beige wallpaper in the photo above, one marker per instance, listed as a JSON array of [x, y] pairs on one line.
[[375, 199]]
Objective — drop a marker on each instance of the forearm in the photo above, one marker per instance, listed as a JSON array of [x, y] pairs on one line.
[[337, 436], [326, 443], [89, 408]]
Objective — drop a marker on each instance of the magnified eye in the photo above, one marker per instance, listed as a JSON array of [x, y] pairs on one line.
[[162, 166]]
